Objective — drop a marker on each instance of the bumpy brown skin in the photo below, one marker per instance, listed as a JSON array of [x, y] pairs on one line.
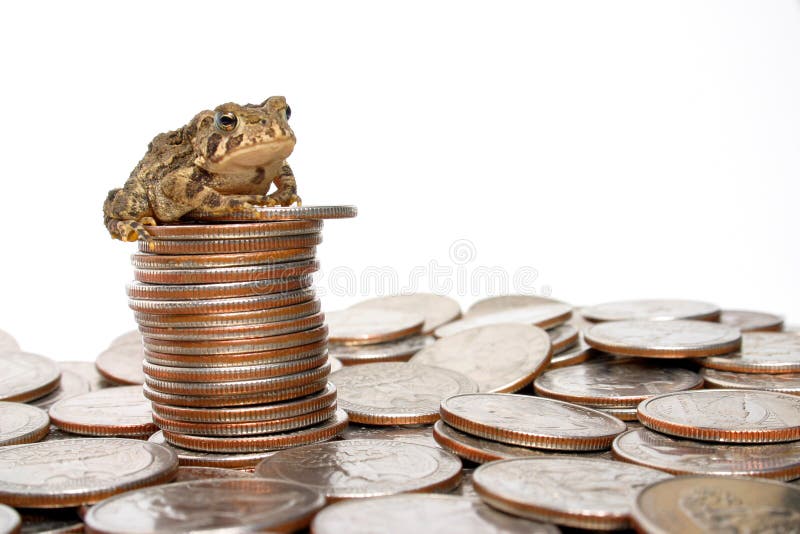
[[222, 161]]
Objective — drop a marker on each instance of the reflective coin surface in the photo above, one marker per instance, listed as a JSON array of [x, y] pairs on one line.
[[122, 363], [7, 342], [10, 521], [761, 352], [572, 356], [397, 393], [736, 416], [688, 457], [694, 505], [365, 326], [508, 302], [619, 382], [187, 474], [400, 350], [419, 434], [475, 449], [752, 321], [230, 505], [577, 492], [27, 376], [499, 358], [651, 310], [563, 337], [365, 468], [71, 384], [120, 411], [188, 457], [531, 421], [663, 339], [20, 423], [544, 316], [420, 514], [437, 309], [783, 382], [57, 474]]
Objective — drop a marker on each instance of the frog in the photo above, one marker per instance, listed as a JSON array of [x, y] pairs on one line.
[[224, 161]]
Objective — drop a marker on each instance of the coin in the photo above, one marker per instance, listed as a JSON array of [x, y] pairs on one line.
[[118, 411], [563, 337], [498, 357], [235, 373], [477, 449], [143, 260], [531, 421], [508, 302], [419, 434], [431, 514], [365, 468], [752, 321], [122, 364], [57, 474], [245, 399], [363, 327], [216, 275], [265, 412], [215, 333], [221, 305], [233, 231], [321, 432], [20, 423], [544, 316], [614, 383], [232, 505], [397, 393], [735, 416], [131, 337], [687, 457], [623, 414], [188, 457], [585, 493], [10, 521], [573, 356], [140, 290], [71, 384], [188, 473], [27, 376], [400, 350], [229, 246], [782, 383], [88, 371], [285, 313], [652, 310], [663, 339], [299, 352], [702, 504], [761, 352], [7, 342], [278, 213], [437, 309]]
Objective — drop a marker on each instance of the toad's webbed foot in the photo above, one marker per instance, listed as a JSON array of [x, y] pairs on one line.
[[283, 198], [128, 230]]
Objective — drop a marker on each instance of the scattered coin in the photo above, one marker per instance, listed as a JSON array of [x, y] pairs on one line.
[[229, 505], [7, 342], [508, 302], [563, 337], [285, 313], [205, 261], [299, 352], [419, 434], [10, 521], [761, 352], [585, 493], [687, 457], [475, 449], [57, 474], [437, 309], [400, 350], [20, 423], [573, 356], [245, 399], [188, 457], [188, 473], [363, 327], [544, 316], [431, 514], [652, 310], [277, 213], [397, 393], [27, 376], [229, 246], [218, 275], [663, 339], [122, 364], [222, 305], [121, 411], [735, 416], [702, 504], [365, 468], [132, 337], [71, 384], [140, 290], [752, 321], [498, 357], [218, 333], [614, 383], [782, 383], [233, 231], [531, 421], [88, 371]]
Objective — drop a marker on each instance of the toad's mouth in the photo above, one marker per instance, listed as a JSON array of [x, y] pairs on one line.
[[257, 155]]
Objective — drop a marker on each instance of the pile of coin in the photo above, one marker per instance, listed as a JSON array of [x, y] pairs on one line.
[[235, 343]]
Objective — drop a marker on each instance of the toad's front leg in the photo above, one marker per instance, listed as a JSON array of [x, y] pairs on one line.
[[286, 193], [179, 194]]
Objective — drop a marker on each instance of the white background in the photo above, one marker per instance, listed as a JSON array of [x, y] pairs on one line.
[[622, 149]]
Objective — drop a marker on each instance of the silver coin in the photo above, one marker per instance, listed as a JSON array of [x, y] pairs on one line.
[[194, 232], [545, 316], [188, 473], [131, 337], [663, 339], [278, 213], [232, 506], [651, 310], [437, 309], [365, 468], [783, 382], [751, 321], [10, 521], [212, 459], [237, 346], [27, 376], [121, 411], [7, 342], [209, 320], [122, 364], [357, 326], [688, 457], [89, 373], [498, 357], [694, 505], [233, 372], [623, 414], [397, 393], [431, 514], [80, 471], [761, 352], [214, 333], [211, 275], [399, 350], [563, 337], [71, 384], [577, 492], [508, 302], [476, 449], [419, 434], [20, 423], [572, 356]]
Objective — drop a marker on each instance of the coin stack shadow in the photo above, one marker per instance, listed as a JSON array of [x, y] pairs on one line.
[[235, 343]]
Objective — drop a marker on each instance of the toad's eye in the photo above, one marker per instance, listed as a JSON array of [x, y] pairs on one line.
[[288, 113], [225, 121]]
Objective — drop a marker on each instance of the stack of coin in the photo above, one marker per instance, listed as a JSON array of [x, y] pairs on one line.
[[235, 343]]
